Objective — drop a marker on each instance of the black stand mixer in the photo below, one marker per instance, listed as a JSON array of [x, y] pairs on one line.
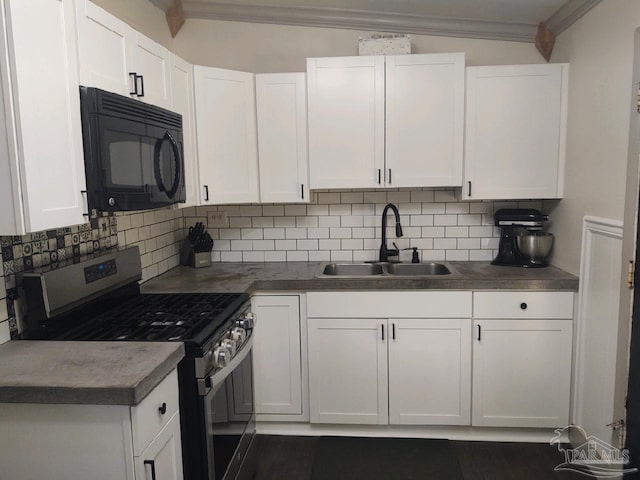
[[519, 225]]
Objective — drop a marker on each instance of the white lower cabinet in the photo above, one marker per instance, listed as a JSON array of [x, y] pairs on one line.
[[414, 370], [522, 353], [162, 458], [279, 357], [418, 358], [430, 371], [348, 371], [100, 442]]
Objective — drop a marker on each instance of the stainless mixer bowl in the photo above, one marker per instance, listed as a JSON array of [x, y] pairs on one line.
[[535, 245]]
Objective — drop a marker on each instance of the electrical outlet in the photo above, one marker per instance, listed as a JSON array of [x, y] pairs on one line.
[[217, 219]]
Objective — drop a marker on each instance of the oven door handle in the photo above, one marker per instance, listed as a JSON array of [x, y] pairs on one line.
[[221, 375]]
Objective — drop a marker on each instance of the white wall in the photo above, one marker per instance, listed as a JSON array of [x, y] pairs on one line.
[[263, 48], [599, 48]]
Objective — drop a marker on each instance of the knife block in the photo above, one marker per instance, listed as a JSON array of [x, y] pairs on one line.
[[190, 258]]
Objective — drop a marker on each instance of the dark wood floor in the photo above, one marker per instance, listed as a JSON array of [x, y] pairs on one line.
[[291, 458]]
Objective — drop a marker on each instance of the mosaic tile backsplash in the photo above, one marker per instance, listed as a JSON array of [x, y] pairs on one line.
[[157, 234]]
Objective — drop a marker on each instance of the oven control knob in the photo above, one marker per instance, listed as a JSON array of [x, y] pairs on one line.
[[239, 334], [247, 321], [112, 201], [230, 345], [221, 357]]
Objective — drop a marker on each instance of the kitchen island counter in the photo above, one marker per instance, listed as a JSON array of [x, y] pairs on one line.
[[307, 276], [88, 373]]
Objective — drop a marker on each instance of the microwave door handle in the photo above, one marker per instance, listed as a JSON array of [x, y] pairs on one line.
[[176, 158]]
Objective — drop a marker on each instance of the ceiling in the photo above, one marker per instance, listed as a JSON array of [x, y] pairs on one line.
[[515, 20]]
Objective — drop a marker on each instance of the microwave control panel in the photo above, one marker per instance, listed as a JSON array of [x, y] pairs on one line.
[[100, 270]]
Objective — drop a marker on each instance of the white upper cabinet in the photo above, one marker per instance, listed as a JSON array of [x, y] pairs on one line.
[[418, 142], [151, 64], [42, 166], [102, 49], [346, 121], [226, 135], [182, 103], [117, 58], [424, 120], [515, 131], [281, 104]]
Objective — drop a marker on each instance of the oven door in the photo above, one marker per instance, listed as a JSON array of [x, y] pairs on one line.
[[139, 166], [230, 417]]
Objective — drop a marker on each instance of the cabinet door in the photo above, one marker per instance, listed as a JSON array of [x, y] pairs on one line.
[[425, 120], [281, 104], [162, 460], [521, 373], [430, 371], [152, 62], [226, 135], [40, 85], [277, 355], [515, 131], [346, 121], [102, 49], [348, 370], [182, 103]]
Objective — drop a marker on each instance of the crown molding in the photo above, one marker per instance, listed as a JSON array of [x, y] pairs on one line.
[[380, 21], [569, 13]]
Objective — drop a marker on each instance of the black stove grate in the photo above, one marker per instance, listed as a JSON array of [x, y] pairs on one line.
[[161, 317]]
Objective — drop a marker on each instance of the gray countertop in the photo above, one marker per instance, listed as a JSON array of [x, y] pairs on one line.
[[96, 373], [304, 277]]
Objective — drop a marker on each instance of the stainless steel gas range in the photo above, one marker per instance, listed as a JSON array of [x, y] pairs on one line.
[[100, 300]]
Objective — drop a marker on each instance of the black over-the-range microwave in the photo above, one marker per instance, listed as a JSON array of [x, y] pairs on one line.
[[133, 153]]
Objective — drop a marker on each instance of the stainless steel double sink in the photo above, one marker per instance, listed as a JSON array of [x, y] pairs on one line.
[[374, 269]]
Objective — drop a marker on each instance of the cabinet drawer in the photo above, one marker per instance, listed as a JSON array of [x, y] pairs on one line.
[[523, 304], [147, 419], [389, 304]]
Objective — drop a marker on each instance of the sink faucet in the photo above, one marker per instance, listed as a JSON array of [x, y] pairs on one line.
[[385, 252]]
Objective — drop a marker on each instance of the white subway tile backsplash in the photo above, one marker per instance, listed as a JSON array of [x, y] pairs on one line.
[[345, 226], [331, 244], [251, 233], [319, 256], [273, 210], [307, 245], [328, 221], [276, 256], [310, 222], [250, 210], [457, 255], [328, 198], [297, 256], [295, 210], [240, 245], [480, 255], [352, 244], [422, 196], [264, 245], [445, 243], [230, 256], [273, 233], [340, 232], [285, 244], [351, 221], [295, 233], [262, 222], [321, 232], [341, 256], [253, 256], [456, 232], [239, 222], [445, 220]]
